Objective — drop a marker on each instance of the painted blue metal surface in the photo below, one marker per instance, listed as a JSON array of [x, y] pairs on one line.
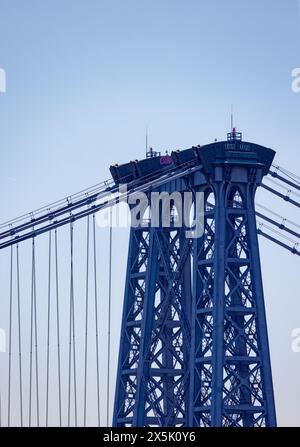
[[153, 362], [194, 348]]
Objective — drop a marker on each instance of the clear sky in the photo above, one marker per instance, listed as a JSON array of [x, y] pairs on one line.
[[85, 77]]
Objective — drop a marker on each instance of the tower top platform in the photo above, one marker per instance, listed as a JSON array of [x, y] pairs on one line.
[[233, 152]]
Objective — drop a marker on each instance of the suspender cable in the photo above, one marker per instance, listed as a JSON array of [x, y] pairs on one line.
[[278, 233], [86, 313], [282, 196], [33, 334], [70, 333], [10, 334], [36, 340], [20, 338], [72, 336], [48, 330], [109, 319], [57, 329], [85, 196], [74, 358], [96, 318]]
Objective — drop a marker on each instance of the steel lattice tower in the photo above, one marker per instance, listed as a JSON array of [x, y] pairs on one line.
[[194, 346]]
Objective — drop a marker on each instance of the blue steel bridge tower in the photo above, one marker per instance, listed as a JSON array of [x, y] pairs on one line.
[[194, 346]]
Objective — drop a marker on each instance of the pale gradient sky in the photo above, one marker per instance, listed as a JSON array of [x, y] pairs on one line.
[[84, 77]]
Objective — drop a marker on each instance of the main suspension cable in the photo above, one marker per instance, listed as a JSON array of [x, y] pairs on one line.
[[284, 180], [284, 219], [261, 224], [67, 201], [286, 197], [280, 225], [276, 241]]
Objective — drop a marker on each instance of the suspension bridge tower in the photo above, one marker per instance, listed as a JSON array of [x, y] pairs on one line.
[[194, 345]]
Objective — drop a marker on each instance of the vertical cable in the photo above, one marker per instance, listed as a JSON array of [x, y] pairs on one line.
[[36, 339], [70, 330], [31, 341], [86, 314], [57, 329], [20, 337], [10, 333], [74, 366], [96, 318], [109, 320], [48, 330], [72, 337]]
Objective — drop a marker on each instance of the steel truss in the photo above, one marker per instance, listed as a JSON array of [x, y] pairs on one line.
[[153, 371], [194, 348], [230, 363]]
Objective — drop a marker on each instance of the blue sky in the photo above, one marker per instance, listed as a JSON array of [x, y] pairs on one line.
[[85, 77]]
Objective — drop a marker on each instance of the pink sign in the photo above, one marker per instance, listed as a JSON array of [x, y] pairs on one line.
[[166, 160]]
